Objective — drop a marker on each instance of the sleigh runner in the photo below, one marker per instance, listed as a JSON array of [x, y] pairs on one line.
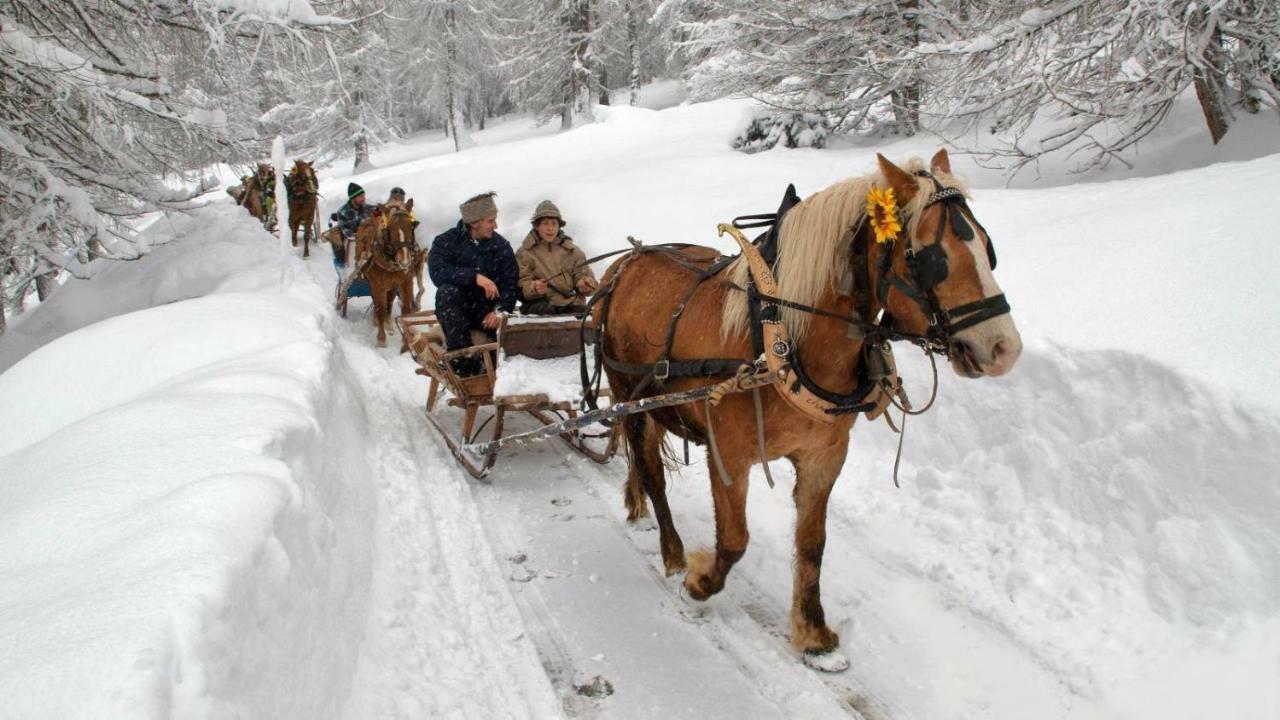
[[530, 368]]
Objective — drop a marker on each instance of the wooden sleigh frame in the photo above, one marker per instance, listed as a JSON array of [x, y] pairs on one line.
[[538, 338], [353, 276]]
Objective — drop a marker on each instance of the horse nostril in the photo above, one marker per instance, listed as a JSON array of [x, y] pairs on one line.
[[1000, 348]]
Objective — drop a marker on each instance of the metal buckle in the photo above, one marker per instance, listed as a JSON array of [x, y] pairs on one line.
[[661, 369]]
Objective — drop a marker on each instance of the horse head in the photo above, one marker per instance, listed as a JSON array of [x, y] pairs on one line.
[[937, 279], [397, 243], [302, 178]]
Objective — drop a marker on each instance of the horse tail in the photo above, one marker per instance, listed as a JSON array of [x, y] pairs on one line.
[[634, 429]]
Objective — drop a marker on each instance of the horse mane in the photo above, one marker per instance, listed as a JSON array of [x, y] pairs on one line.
[[816, 242]]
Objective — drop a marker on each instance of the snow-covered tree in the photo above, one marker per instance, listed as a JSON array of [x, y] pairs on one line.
[[339, 88], [845, 60], [1095, 77], [628, 46], [95, 128], [548, 46]]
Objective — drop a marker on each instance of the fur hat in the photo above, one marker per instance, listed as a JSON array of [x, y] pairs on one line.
[[354, 190], [547, 209], [478, 208]]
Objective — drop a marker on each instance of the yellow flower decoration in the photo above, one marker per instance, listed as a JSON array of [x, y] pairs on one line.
[[882, 210]]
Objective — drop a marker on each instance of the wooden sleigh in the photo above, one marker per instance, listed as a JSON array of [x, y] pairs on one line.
[[351, 281], [484, 400]]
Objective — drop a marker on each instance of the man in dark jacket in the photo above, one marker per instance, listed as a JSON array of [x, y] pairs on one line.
[[474, 271], [349, 217]]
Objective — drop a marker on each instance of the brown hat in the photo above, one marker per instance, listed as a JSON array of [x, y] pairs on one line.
[[478, 208], [547, 209]]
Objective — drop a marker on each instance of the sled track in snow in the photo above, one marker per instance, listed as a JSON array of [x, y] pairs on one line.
[[740, 611], [742, 623]]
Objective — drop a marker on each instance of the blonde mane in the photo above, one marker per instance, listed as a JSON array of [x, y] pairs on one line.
[[817, 237]]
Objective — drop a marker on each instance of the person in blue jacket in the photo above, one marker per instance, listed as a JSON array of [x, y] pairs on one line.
[[348, 217], [475, 274]]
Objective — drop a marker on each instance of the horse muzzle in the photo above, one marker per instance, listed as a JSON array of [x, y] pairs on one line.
[[991, 355]]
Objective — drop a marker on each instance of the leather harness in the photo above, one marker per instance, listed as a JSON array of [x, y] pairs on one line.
[[771, 344]]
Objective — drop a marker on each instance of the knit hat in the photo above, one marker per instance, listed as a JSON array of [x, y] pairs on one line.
[[354, 190], [478, 208], [547, 209]]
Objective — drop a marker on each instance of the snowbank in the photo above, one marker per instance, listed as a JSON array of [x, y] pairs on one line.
[[173, 534], [1115, 516]]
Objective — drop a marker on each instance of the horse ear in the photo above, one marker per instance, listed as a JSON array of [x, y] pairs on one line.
[[409, 205], [940, 162], [904, 186]]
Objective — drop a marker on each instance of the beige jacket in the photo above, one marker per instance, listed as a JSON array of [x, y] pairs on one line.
[[559, 262]]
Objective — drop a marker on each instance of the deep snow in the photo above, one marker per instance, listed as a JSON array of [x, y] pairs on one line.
[[221, 499]]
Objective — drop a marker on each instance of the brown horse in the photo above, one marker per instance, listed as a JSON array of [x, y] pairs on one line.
[[386, 252], [256, 195], [829, 269], [303, 190], [419, 263]]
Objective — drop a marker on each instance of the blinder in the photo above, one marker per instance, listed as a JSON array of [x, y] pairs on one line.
[[929, 265]]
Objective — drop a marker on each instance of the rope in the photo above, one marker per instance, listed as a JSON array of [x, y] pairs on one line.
[[764, 457], [714, 446]]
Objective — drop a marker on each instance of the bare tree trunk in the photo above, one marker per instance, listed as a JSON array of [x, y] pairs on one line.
[[46, 283], [906, 99], [4, 319], [20, 298], [452, 99], [93, 249], [580, 76], [357, 102], [604, 83], [633, 50], [1208, 80], [566, 115]]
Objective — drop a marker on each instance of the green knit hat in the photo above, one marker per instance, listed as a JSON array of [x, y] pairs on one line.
[[354, 190]]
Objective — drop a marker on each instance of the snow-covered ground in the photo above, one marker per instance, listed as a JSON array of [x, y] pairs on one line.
[[221, 500]]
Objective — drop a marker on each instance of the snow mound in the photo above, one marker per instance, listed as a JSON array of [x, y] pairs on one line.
[[1108, 511], [172, 534]]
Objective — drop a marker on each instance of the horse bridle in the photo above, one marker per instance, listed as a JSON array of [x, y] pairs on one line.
[[928, 268], [310, 183], [388, 248]]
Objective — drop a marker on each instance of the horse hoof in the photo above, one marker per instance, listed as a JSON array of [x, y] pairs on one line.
[[832, 661], [643, 524]]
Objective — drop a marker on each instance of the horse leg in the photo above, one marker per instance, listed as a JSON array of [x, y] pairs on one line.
[[381, 309], [645, 470], [293, 230], [707, 571], [306, 237], [816, 472]]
